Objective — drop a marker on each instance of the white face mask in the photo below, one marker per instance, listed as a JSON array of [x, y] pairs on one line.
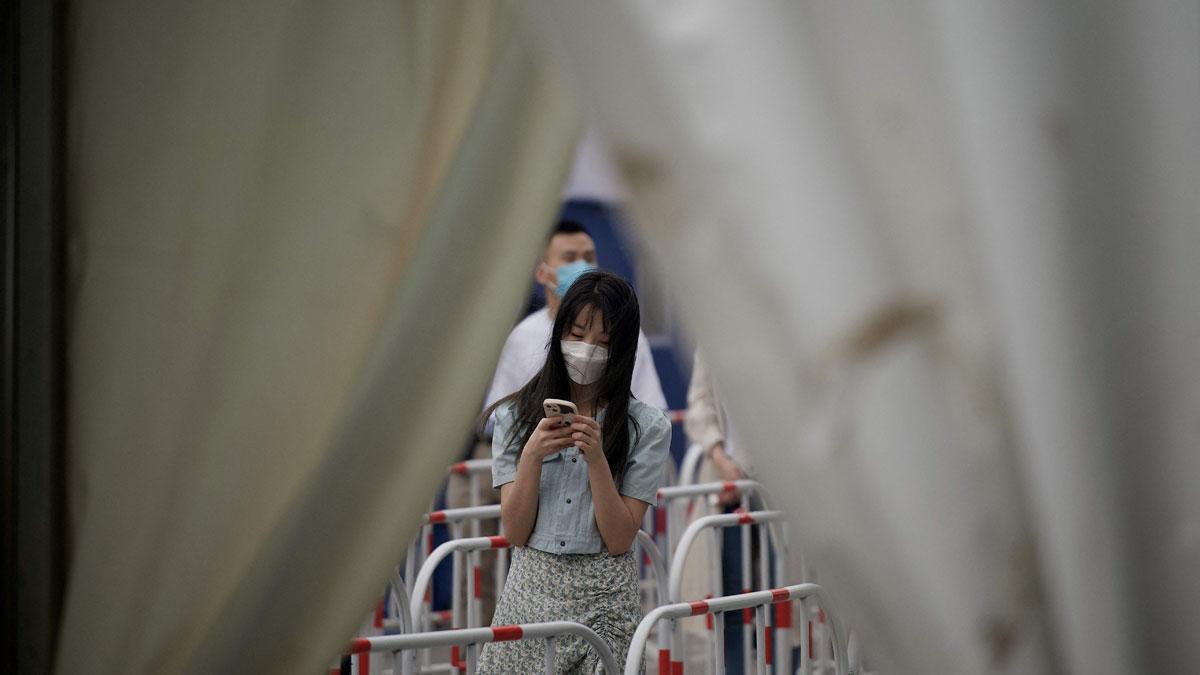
[[585, 362]]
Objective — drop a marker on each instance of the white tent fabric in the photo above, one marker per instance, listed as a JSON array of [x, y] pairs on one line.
[[300, 232], [932, 213]]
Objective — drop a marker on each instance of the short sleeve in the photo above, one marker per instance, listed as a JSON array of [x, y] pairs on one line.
[[504, 457], [647, 460]]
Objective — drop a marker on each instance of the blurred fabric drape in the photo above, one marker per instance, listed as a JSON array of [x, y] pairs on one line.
[[939, 256], [299, 232]]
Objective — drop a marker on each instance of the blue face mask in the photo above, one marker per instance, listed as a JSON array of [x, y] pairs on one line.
[[567, 274]]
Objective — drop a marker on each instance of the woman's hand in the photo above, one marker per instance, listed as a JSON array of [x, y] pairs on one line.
[[548, 437], [585, 432]]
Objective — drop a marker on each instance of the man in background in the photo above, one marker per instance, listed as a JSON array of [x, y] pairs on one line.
[[569, 253]]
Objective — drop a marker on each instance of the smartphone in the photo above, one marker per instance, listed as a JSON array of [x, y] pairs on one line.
[[555, 407]]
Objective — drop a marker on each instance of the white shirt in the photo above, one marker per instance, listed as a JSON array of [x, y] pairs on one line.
[[525, 352]]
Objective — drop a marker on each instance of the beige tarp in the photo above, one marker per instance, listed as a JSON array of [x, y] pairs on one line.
[[299, 234]]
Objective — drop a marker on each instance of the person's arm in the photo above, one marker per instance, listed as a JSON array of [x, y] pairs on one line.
[[727, 470], [519, 502], [519, 498], [702, 422]]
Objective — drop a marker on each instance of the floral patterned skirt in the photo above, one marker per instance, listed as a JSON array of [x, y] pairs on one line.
[[597, 590]]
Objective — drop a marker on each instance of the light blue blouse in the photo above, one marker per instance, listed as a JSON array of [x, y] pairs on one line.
[[566, 521]]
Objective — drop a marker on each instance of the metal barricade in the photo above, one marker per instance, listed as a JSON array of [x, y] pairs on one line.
[[420, 587], [669, 499], [768, 532], [672, 499], [471, 638], [757, 600], [455, 520], [474, 470]]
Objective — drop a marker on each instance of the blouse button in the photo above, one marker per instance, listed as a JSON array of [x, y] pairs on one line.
[[562, 543], [568, 500], [574, 459]]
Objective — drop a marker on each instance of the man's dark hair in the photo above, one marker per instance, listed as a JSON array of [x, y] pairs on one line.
[[567, 227]]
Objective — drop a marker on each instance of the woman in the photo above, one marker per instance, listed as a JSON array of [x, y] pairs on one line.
[[572, 496]]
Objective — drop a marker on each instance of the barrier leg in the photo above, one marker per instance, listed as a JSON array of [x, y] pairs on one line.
[[551, 660], [760, 628], [660, 532], [678, 648], [714, 586], [501, 572], [670, 534], [404, 662], [473, 496], [473, 609], [475, 597], [426, 656], [677, 645], [662, 540], [410, 562], [423, 554], [669, 661], [457, 620], [805, 641], [822, 652], [719, 643], [472, 658], [747, 573], [764, 583], [783, 615], [501, 565]]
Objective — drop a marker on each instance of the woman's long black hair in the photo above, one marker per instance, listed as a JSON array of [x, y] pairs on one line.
[[617, 304]]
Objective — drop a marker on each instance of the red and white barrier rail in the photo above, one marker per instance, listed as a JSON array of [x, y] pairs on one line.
[[758, 601], [471, 638], [476, 470], [764, 521], [670, 497], [455, 519], [421, 586], [418, 616], [741, 487], [466, 513], [471, 466], [669, 515]]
